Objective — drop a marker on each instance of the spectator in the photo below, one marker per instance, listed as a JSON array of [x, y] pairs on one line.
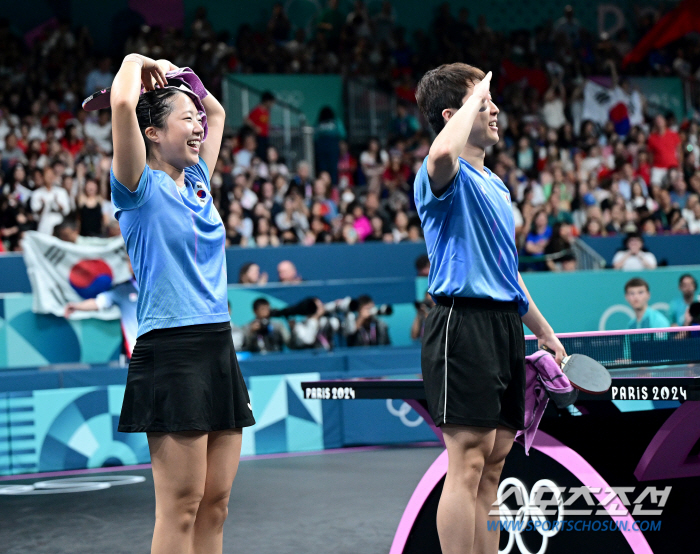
[[637, 295], [347, 166], [559, 243], [125, 296], [422, 310], [422, 266], [678, 307], [292, 222], [404, 125], [244, 157], [265, 233], [50, 202], [259, 120], [538, 237], [274, 165], [287, 272], [374, 161], [634, 257], [250, 274], [664, 145], [100, 77], [262, 334], [93, 211], [329, 133], [365, 329], [101, 131]]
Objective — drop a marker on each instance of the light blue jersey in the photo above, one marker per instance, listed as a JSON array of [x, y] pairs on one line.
[[470, 236], [676, 310], [652, 319], [125, 297], [176, 240]]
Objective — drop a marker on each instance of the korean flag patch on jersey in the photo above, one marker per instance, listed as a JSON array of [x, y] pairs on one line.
[[201, 192], [506, 195]]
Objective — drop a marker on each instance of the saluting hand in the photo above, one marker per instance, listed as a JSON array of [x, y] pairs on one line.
[[481, 89]]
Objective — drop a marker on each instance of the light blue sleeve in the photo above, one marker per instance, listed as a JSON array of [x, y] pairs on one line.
[[124, 199], [423, 194]]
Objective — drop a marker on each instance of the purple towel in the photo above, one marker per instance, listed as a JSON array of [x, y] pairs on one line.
[[195, 90], [544, 379]]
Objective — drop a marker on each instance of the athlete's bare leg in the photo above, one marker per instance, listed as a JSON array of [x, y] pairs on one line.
[[468, 449], [485, 541], [179, 462], [223, 454]]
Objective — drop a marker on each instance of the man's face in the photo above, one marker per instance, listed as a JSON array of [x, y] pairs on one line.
[[485, 128], [263, 311], [366, 310], [634, 245], [687, 287], [637, 297]]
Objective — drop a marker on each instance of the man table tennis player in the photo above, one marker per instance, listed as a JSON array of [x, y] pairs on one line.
[[473, 345]]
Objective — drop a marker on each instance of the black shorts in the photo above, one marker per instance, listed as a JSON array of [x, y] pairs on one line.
[[185, 379], [473, 362]]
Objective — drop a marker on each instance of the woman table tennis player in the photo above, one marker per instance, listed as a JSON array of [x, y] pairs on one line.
[[184, 387]]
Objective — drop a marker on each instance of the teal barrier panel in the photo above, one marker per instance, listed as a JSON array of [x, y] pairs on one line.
[[571, 302], [595, 300]]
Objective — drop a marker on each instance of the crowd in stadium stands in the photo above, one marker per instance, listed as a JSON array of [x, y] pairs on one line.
[[567, 176]]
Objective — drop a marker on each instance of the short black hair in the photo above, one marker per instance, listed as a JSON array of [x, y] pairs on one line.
[[636, 282], [631, 236], [363, 300], [422, 262], [688, 276], [260, 302], [445, 87], [267, 96]]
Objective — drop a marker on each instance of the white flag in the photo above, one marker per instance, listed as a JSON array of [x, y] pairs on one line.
[[62, 272]]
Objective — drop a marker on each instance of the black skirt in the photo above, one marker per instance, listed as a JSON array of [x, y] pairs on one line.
[[185, 379]]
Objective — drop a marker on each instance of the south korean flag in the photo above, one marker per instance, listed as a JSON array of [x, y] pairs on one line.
[[201, 192]]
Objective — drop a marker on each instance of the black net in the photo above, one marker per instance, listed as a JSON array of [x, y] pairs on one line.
[[633, 350]]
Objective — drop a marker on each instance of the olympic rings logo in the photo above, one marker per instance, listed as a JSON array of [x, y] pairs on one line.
[[71, 484], [529, 508], [402, 412]]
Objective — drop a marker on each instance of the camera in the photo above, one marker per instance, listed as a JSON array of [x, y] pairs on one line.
[[306, 307], [349, 304], [382, 309]]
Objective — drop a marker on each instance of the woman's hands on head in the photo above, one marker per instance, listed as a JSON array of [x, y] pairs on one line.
[[152, 71]]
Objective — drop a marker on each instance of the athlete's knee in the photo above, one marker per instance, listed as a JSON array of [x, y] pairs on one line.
[[180, 508], [491, 474], [213, 509]]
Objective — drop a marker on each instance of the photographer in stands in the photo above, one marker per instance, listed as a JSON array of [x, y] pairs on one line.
[[262, 334], [422, 310], [365, 329], [316, 331]]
